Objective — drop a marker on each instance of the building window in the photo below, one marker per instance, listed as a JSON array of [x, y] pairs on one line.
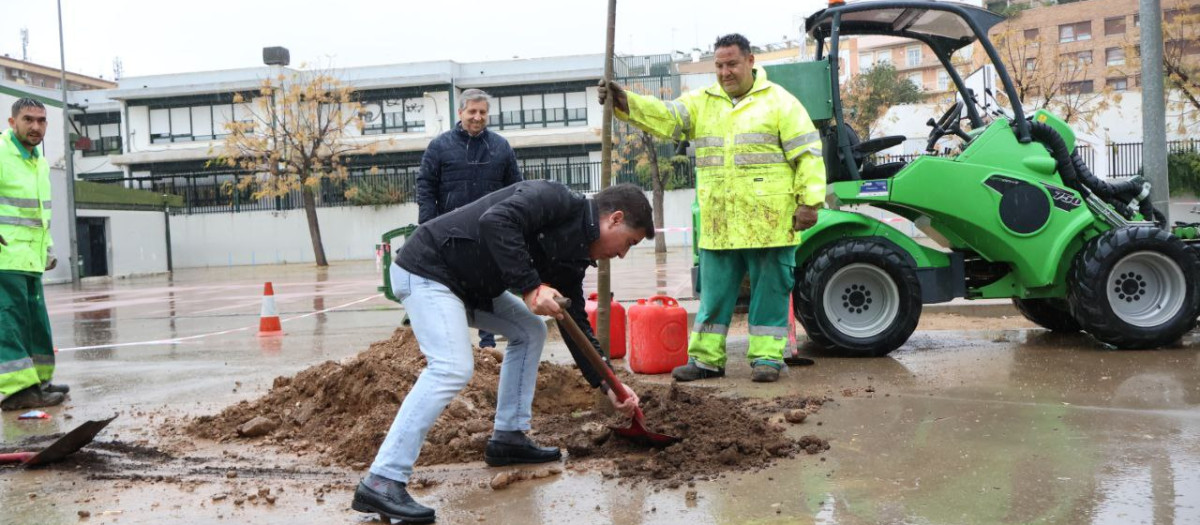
[[917, 80], [104, 130], [1084, 86], [394, 115], [1137, 20], [195, 123], [539, 110], [1114, 26], [1030, 64], [1076, 32], [1118, 84], [1114, 56], [866, 61], [912, 56], [943, 80], [1031, 34], [884, 57]]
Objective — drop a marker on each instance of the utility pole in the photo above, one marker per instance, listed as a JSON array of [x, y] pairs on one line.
[[69, 153], [1154, 111]]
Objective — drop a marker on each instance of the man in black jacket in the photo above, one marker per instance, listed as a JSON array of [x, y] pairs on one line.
[[536, 238], [464, 164]]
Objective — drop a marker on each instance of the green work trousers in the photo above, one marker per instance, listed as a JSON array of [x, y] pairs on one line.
[[771, 279], [26, 350]]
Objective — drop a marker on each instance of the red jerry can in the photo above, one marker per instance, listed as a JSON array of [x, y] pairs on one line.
[[616, 324], [658, 339]]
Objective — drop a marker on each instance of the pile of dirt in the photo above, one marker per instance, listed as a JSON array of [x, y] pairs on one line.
[[342, 411]]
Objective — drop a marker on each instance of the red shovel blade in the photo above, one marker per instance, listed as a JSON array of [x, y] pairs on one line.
[[637, 431]]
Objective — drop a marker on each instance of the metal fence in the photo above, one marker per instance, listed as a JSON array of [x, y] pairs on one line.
[[1125, 158], [218, 191]]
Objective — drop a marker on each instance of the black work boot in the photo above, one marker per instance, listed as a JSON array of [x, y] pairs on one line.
[[693, 371], [31, 397], [509, 447], [53, 387], [765, 371], [390, 500]]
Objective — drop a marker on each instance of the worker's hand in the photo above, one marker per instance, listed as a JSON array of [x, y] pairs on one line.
[[804, 218], [51, 262], [629, 406], [540, 301], [620, 101]]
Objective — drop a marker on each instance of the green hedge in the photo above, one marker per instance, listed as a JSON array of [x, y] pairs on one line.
[[1183, 172], [97, 195]]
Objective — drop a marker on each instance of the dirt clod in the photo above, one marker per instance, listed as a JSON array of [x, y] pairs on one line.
[[259, 426], [795, 416]]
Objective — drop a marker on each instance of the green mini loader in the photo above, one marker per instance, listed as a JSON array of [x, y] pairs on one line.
[[1011, 211]]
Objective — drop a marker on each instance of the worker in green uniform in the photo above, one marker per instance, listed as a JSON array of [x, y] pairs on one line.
[[26, 350], [759, 182]]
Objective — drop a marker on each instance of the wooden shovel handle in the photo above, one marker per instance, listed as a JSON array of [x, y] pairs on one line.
[[589, 353]]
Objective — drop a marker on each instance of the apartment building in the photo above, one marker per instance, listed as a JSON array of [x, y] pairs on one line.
[[36, 75], [1089, 45]]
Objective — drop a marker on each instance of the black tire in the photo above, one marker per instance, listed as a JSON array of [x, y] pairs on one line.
[[1051, 314], [870, 266], [1135, 288]]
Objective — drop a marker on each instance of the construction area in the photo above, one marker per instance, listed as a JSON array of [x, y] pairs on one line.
[[980, 418]]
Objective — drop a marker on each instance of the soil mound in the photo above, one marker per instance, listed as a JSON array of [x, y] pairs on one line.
[[342, 411]]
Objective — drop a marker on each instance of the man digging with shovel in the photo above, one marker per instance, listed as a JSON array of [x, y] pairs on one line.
[[537, 238]]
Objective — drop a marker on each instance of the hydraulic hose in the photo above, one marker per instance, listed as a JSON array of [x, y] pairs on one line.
[[1125, 196]]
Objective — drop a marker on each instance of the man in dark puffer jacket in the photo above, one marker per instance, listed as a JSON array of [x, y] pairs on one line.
[[464, 164]]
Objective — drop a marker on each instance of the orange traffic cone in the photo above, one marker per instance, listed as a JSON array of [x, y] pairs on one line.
[[268, 322]]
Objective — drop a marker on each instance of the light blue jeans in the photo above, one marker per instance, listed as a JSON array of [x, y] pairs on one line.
[[440, 321]]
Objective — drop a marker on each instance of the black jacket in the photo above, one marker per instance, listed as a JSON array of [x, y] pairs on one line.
[[457, 169], [530, 233]]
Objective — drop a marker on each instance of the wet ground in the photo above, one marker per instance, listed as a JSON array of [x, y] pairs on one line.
[[975, 420]]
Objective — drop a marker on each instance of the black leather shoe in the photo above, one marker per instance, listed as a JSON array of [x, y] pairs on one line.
[[393, 503], [499, 454], [55, 387], [31, 397]]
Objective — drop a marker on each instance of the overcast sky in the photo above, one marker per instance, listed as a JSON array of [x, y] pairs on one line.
[[165, 36]]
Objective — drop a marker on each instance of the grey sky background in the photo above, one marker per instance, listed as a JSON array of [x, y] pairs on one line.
[[165, 36]]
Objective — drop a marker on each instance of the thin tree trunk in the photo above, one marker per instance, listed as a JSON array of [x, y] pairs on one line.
[[656, 185], [314, 229]]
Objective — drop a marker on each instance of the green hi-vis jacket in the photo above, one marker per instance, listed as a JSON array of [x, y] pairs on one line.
[[755, 160], [24, 206]]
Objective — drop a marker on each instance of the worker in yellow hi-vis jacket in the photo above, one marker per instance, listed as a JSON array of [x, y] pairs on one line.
[[26, 350], [759, 181]]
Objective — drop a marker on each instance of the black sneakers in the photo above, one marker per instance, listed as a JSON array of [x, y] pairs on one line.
[[391, 502], [32, 397]]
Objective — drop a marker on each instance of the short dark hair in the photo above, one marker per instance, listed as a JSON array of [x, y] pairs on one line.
[[733, 39], [23, 103], [630, 200]]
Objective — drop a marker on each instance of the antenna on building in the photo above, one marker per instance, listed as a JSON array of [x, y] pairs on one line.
[[25, 44], [118, 68]]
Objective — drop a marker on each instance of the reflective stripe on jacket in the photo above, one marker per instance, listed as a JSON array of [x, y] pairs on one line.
[[24, 207], [755, 160]]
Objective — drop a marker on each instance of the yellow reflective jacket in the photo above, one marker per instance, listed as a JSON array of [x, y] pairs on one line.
[[755, 161], [24, 206]]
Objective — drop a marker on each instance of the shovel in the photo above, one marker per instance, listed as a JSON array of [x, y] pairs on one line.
[[61, 448], [637, 428]]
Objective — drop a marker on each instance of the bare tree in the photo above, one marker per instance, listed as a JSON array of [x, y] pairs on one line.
[[296, 136], [640, 152]]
